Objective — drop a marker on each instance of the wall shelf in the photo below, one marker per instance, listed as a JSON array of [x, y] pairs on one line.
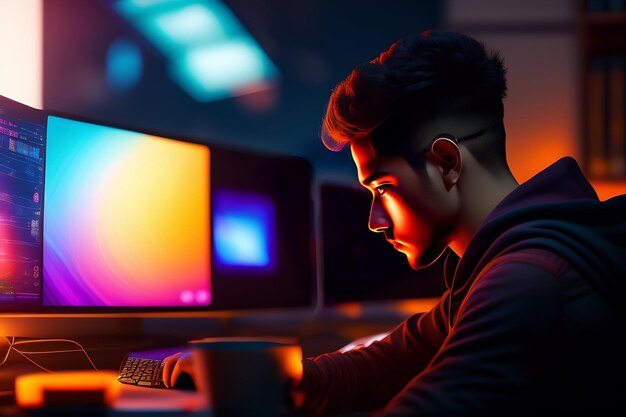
[[602, 68]]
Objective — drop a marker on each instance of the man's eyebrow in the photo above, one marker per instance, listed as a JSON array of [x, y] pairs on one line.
[[374, 176]]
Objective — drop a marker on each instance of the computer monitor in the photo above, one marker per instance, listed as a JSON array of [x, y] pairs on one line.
[[131, 223], [128, 211], [263, 231], [22, 148], [358, 265]]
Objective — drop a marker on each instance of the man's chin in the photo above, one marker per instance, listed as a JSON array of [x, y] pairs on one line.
[[425, 259]]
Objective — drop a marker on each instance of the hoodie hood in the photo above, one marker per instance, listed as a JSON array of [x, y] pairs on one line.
[[557, 210]]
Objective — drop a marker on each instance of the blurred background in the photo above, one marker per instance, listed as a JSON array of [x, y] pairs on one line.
[[257, 75], [145, 64]]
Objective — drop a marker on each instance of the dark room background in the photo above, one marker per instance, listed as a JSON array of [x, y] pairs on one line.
[[314, 45]]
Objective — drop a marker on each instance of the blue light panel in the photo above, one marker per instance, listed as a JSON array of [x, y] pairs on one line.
[[211, 54], [241, 240]]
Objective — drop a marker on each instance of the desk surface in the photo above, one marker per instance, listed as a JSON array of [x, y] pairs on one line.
[[319, 333], [134, 398]]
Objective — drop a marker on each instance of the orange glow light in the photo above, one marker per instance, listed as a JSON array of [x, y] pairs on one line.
[[292, 362], [607, 190], [31, 389]]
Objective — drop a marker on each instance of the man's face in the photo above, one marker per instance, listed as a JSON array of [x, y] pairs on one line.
[[413, 209]]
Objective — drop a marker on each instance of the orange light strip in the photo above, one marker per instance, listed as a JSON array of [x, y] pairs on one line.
[[31, 389]]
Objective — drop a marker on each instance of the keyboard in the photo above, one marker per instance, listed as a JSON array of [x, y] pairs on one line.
[[142, 371], [145, 368]]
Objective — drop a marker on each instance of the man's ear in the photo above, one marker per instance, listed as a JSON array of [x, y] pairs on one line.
[[446, 154]]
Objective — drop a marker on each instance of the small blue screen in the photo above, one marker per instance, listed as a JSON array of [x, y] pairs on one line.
[[244, 231]]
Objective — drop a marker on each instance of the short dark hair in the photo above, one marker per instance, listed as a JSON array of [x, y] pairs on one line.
[[413, 72]]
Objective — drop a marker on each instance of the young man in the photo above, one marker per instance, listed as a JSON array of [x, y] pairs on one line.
[[533, 320]]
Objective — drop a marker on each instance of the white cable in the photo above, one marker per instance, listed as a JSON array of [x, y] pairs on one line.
[[43, 352], [25, 342], [11, 342], [33, 362]]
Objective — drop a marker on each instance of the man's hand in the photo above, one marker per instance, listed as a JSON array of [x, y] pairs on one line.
[[174, 365]]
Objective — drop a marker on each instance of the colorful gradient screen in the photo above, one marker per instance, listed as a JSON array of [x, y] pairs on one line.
[[126, 219]]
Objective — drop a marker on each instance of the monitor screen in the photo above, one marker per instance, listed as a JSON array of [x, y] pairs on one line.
[[126, 221], [22, 146]]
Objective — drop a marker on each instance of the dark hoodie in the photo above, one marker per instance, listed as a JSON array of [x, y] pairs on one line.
[[533, 322]]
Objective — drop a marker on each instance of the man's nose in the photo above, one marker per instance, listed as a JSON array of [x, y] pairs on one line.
[[378, 221]]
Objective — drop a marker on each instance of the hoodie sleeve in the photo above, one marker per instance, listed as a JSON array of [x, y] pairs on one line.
[[367, 378], [505, 324]]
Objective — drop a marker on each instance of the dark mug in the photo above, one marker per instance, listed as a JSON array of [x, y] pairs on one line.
[[247, 376]]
